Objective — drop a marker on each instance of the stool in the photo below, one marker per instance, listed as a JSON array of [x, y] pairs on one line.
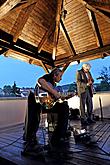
[[52, 121]]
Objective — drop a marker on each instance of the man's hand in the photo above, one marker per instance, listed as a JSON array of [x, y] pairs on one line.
[[56, 95], [48, 87], [89, 83]]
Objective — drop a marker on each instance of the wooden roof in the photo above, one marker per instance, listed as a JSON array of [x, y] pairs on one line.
[[55, 32]]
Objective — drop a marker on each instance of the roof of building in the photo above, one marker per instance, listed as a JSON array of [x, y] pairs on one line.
[[55, 32]]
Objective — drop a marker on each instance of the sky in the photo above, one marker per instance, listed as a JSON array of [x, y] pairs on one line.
[[26, 75]]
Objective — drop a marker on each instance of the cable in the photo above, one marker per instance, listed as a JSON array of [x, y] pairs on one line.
[[10, 143], [43, 128]]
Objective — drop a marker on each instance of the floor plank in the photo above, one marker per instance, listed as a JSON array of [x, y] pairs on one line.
[[11, 145]]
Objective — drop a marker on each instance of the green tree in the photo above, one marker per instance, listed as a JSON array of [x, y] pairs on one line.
[[72, 87], [15, 89], [105, 79], [7, 89]]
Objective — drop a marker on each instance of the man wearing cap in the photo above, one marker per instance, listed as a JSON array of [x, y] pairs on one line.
[[84, 82]]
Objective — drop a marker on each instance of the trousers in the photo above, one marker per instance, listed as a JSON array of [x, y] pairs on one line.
[[86, 102]]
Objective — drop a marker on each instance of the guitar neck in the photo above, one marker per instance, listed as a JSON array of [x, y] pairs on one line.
[[67, 97]]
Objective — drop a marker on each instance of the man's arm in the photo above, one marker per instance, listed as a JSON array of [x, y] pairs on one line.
[[79, 81], [45, 85], [91, 78]]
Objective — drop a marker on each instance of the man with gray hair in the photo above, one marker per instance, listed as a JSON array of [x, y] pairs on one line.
[[84, 82]]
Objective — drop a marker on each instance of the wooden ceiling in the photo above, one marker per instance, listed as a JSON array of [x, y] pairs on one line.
[[52, 33]]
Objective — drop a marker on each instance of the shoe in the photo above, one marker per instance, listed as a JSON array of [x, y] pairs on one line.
[[30, 149], [33, 140], [53, 142], [91, 121], [84, 122], [63, 140], [68, 134], [66, 137]]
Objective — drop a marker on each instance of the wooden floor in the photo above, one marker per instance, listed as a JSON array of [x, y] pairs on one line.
[[11, 145]]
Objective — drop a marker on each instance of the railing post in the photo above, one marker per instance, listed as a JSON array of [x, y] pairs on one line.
[[101, 110]]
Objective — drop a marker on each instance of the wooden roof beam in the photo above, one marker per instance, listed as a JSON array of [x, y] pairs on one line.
[[107, 53], [46, 35], [40, 56], [61, 62], [3, 50], [103, 5], [94, 10], [44, 67], [65, 67], [66, 35], [93, 52], [88, 54], [7, 6], [21, 20], [95, 27], [6, 37], [102, 9], [21, 6], [57, 27], [6, 41], [17, 7]]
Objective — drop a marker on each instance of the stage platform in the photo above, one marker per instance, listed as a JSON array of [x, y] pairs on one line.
[[71, 153]]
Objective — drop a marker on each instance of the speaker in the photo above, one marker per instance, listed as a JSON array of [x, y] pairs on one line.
[[74, 113], [81, 135]]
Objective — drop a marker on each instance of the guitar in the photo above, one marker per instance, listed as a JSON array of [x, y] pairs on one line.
[[91, 87], [47, 100]]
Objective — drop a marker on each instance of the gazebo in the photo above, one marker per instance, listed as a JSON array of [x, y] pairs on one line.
[[53, 33]]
